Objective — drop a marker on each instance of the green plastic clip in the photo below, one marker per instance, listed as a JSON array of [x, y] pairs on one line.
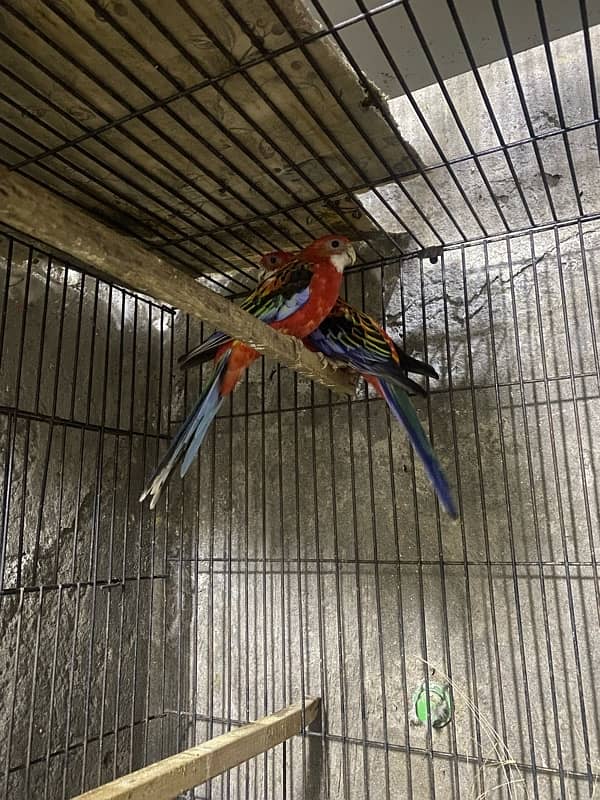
[[435, 706]]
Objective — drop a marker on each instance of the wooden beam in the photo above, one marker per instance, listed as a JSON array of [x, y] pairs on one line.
[[39, 213], [171, 776]]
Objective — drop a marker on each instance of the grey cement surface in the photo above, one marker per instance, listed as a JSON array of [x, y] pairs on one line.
[[274, 574], [74, 658], [435, 21], [304, 554], [546, 165]]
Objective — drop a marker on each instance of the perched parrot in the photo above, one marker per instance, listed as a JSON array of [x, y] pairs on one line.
[[358, 341], [293, 300]]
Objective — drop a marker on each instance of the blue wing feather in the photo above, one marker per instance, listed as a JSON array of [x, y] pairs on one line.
[[291, 305], [336, 342]]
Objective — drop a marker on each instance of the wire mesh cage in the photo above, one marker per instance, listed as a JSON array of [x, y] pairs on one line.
[[304, 555]]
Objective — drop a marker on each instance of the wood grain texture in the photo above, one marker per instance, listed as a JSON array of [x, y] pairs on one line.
[[171, 776], [37, 212], [232, 154]]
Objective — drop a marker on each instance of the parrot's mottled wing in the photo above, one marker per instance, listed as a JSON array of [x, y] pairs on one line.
[[356, 338], [282, 293], [277, 297], [358, 341], [205, 351]]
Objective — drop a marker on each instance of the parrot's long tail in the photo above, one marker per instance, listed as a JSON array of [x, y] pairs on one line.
[[190, 436], [411, 364], [205, 351], [403, 410], [401, 380]]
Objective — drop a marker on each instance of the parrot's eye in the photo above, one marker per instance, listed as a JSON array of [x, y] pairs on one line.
[[335, 243], [273, 260]]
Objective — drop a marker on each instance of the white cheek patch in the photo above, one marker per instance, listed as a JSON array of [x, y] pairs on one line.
[[340, 261]]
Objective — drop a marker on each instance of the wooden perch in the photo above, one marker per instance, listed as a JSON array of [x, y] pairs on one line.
[[37, 212], [171, 776]]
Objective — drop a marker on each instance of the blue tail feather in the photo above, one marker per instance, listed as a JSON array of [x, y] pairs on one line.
[[189, 437], [403, 410], [205, 416], [204, 351]]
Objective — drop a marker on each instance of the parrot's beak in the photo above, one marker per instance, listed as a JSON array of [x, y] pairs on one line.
[[351, 254]]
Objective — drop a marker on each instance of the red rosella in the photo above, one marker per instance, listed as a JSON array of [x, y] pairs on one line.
[[349, 336], [358, 341], [293, 300]]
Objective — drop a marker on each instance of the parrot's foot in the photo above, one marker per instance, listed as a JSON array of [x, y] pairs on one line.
[[326, 362]]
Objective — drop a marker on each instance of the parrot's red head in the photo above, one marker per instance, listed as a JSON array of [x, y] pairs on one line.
[[337, 249], [271, 262], [274, 261]]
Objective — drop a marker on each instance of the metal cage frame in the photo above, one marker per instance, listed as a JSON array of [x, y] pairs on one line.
[[157, 596]]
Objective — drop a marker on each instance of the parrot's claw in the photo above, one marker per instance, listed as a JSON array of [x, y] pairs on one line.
[[326, 362]]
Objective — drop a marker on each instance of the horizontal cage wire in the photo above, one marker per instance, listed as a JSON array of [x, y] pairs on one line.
[[478, 171], [304, 555]]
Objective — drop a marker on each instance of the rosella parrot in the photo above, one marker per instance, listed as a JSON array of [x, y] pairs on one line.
[[294, 300], [354, 338]]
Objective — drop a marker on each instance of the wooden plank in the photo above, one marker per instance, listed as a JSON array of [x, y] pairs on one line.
[[35, 211], [209, 143], [171, 776]]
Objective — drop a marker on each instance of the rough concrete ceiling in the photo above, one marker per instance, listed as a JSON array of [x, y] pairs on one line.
[[435, 19]]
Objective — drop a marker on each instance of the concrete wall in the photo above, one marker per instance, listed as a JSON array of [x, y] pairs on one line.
[[538, 175], [435, 21], [333, 575], [304, 555], [83, 581]]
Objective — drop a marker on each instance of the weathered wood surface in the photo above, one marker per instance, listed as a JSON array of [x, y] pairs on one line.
[[199, 135], [39, 213], [171, 776]]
